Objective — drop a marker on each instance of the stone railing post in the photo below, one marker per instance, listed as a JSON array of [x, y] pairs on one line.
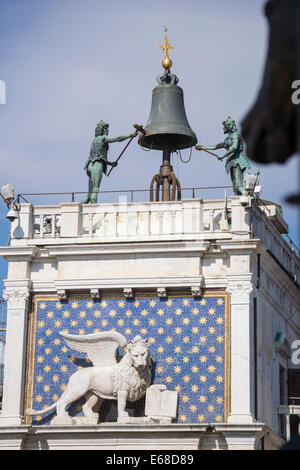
[[71, 220]]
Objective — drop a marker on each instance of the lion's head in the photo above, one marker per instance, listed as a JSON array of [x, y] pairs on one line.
[[138, 349]]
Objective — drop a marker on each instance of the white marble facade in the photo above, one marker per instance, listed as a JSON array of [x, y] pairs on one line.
[[165, 247]]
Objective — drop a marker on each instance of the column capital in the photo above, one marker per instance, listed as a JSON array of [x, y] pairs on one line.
[[16, 298]]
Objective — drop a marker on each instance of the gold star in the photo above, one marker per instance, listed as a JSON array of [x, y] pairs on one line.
[[220, 301], [203, 358], [178, 311], [185, 398], [97, 313], [144, 313], [195, 349], [151, 340], [218, 418], [48, 351], [128, 331], [182, 418], [57, 341], [201, 418], [169, 339], [169, 321], [186, 378], [46, 388], [104, 322], [120, 322], [186, 321], [202, 398], [169, 379], [194, 388], [160, 349], [185, 359], [63, 387], [219, 320], [57, 323], [73, 322], [66, 314], [202, 339], [112, 313], [89, 323], [42, 306], [160, 331], [39, 378], [211, 311], [56, 360], [47, 368], [81, 331], [219, 379], [177, 369], [41, 342], [143, 331], [82, 314], [202, 378], [128, 313], [219, 400], [220, 339], [50, 314], [136, 303], [169, 360], [202, 302], [152, 303], [151, 322], [39, 398], [177, 388], [121, 304], [212, 389], [90, 304], [219, 359], [193, 408], [55, 397], [63, 368], [160, 312], [160, 369], [195, 311], [40, 359], [185, 302], [211, 408], [64, 349], [194, 369], [96, 330], [211, 369], [136, 321], [211, 330], [169, 302], [202, 320], [103, 304], [58, 305], [195, 330], [177, 349], [186, 339], [74, 304], [178, 330], [211, 349], [41, 324]]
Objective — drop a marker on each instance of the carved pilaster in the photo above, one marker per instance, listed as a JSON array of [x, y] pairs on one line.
[[16, 298]]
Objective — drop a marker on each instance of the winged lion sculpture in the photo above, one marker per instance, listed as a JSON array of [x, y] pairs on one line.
[[107, 379]]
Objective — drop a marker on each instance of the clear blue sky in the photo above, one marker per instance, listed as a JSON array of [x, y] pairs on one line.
[[69, 63]]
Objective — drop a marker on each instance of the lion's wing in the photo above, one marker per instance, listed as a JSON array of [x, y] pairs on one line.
[[100, 347]]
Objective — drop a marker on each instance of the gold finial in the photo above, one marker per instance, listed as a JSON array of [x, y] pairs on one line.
[[166, 63]]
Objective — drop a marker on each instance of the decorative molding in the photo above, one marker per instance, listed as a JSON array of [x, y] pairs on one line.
[[196, 291], [95, 293], [161, 292], [62, 294], [128, 293], [16, 298]]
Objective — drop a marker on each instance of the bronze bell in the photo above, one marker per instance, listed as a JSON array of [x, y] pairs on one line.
[[167, 123], [167, 129]]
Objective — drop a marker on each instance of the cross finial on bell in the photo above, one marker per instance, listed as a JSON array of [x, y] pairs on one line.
[[166, 63]]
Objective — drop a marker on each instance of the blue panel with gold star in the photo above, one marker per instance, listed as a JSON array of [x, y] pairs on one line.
[[189, 345]]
